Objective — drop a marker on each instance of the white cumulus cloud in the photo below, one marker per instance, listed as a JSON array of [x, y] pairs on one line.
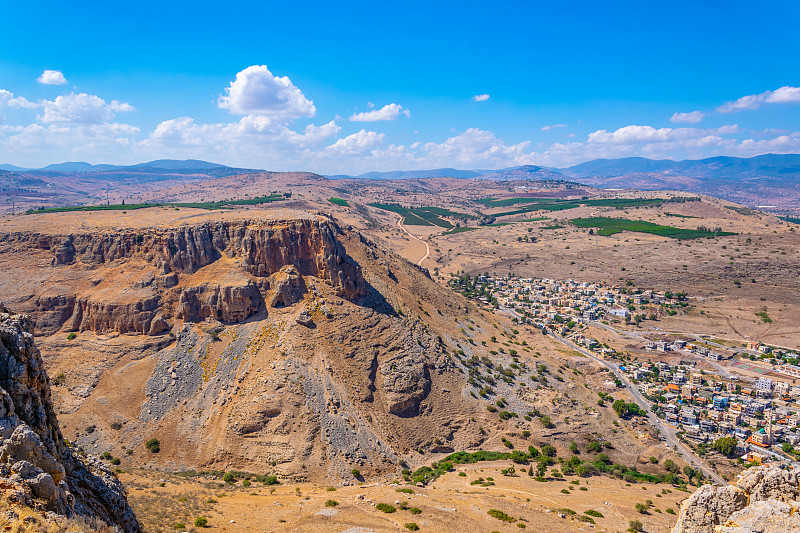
[[480, 97], [692, 118], [783, 95], [52, 77], [257, 91], [387, 112], [80, 108]]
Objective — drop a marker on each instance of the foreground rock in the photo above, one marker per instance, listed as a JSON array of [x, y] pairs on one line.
[[764, 500], [37, 468]]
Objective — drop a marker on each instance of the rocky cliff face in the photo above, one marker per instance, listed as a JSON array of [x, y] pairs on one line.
[[170, 285], [764, 500], [35, 462]]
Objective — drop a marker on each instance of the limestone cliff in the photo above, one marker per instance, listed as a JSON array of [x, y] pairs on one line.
[[764, 500], [170, 284], [35, 462]]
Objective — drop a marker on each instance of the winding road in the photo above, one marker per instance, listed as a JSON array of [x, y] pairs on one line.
[[668, 432], [427, 248]]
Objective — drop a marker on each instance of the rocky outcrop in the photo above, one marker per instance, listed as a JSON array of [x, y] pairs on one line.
[[272, 257], [34, 459], [764, 500]]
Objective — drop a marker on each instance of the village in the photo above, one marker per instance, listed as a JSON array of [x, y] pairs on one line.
[[739, 399]]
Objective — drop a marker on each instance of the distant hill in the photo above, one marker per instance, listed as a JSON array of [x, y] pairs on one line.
[[175, 164], [12, 168], [414, 174], [777, 165]]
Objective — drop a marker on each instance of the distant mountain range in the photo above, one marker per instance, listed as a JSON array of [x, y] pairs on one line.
[[159, 164], [775, 165], [771, 179]]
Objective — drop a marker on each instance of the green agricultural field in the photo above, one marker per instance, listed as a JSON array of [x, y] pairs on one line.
[[540, 204], [462, 229], [131, 207], [338, 201], [423, 216], [610, 226]]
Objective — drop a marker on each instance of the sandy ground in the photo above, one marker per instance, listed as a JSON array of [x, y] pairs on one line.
[[450, 504]]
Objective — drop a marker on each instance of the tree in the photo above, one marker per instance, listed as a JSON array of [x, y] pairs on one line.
[[573, 447], [726, 446], [690, 472], [670, 466]]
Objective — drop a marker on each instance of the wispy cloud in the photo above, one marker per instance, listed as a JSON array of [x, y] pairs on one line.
[[387, 112], [480, 97], [783, 95], [692, 118], [551, 126]]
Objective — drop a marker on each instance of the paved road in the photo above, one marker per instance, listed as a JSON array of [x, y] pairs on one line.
[[668, 432], [427, 248]]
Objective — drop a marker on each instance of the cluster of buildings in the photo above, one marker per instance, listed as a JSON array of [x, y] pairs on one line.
[[708, 407], [548, 302], [686, 347]]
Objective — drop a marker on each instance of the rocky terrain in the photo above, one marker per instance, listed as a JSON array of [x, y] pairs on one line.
[[37, 468], [280, 342], [764, 500]]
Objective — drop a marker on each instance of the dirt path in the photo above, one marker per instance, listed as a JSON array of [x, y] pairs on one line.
[[427, 248]]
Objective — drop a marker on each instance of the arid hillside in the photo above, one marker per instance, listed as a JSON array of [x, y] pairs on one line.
[[279, 342]]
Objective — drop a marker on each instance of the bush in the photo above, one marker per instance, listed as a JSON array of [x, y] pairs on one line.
[[670, 510], [635, 525], [106, 455], [385, 507], [415, 510], [200, 522], [228, 477], [153, 445], [114, 425], [331, 503], [246, 483], [356, 473], [500, 515], [270, 480], [71, 336], [411, 526], [179, 525], [642, 508], [115, 461], [549, 451], [592, 512]]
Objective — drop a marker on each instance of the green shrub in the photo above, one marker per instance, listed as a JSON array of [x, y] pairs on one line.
[[228, 477], [670, 510], [153, 445], [592, 512], [200, 522], [246, 483], [500, 515], [179, 525], [71, 336], [415, 510], [407, 490], [331, 503], [385, 507], [356, 473], [411, 526], [115, 461]]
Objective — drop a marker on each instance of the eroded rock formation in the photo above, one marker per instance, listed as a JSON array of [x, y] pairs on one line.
[[34, 459], [764, 500], [270, 257]]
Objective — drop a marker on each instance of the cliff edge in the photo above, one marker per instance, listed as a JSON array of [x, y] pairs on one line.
[[37, 468]]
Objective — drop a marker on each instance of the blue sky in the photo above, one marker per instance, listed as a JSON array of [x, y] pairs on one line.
[[353, 87]]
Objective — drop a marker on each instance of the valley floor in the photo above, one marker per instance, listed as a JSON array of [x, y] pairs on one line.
[[449, 504]]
